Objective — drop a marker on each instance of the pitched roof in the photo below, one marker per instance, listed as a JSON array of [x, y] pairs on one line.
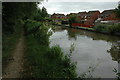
[[108, 11], [93, 11]]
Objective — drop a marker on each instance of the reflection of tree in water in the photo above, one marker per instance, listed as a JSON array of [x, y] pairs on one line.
[[72, 34], [115, 51], [115, 40]]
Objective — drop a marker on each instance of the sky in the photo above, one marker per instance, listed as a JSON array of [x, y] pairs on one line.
[[75, 6]]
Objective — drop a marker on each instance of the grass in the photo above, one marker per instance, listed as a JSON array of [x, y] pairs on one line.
[[45, 62]]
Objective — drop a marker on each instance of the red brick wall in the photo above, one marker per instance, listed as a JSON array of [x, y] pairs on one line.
[[90, 20], [110, 17]]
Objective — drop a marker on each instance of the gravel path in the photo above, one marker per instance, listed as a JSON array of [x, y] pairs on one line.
[[15, 66]]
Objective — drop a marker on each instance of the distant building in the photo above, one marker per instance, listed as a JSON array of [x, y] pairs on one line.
[[107, 15], [58, 16], [82, 15], [91, 17]]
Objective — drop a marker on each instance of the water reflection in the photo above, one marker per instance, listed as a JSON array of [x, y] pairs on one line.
[[90, 47], [115, 51], [115, 48]]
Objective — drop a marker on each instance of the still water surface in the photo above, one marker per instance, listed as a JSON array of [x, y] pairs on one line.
[[91, 49]]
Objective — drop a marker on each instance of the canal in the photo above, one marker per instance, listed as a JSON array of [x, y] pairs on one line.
[[96, 54]]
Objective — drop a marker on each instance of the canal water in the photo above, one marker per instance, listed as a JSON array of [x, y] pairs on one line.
[[96, 54]]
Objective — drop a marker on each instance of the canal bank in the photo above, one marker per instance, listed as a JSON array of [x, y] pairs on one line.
[[92, 51], [93, 30]]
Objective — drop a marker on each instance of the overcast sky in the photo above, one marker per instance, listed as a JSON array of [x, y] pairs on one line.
[[75, 6]]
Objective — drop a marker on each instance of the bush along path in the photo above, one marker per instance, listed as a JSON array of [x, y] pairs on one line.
[[15, 66], [41, 61]]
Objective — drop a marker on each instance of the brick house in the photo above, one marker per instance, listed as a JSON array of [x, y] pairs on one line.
[[91, 17], [108, 15], [57, 18], [82, 15]]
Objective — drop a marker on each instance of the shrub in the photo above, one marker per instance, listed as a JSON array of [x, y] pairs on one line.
[[100, 27], [55, 52], [114, 28], [31, 26]]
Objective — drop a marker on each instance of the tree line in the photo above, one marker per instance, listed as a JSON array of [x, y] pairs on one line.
[[13, 12]]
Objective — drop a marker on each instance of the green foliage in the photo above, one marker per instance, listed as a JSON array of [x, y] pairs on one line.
[[117, 73], [110, 28], [55, 52], [44, 12], [41, 14], [73, 19], [114, 28], [31, 26], [38, 30], [117, 12], [100, 27], [43, 62], [14, 11]]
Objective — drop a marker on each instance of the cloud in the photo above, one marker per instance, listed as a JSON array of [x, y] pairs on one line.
[[74, 7], [83, 1]]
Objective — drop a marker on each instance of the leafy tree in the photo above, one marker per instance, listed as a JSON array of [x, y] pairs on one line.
[[14, 11], [44, 12], [41, 14], [117, 11], [73, 19]]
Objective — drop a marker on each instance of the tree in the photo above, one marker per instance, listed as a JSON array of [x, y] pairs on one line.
[[41, 14], [73, 19], [44, 12], [14, 11], [117, 12]]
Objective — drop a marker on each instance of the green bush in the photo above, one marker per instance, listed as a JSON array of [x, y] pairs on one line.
[[114, 28], [45, 62], [38, 30], [31, 26], [101, 27], [55, 52]]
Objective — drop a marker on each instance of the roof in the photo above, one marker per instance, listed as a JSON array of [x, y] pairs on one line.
[[58, 14], [108, 11], [93, 11], [82, 12]]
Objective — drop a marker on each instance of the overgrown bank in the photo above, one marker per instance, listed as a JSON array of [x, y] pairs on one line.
[[43, 61]]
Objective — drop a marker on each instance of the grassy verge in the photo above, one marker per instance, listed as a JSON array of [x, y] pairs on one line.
[[45, 62], [8, 45]]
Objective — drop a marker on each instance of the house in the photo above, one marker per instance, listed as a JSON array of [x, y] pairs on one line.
[[57, 18], [82, 15], [108, 15], [91, 17]]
